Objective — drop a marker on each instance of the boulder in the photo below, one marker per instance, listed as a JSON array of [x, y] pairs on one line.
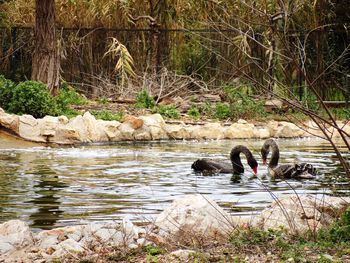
[[261, 133], [111, 129], [177, 131], [68, 246], [240, 130], [155, 125], [288, 130], [29, 129], [143, 134], [134, 122], [182, 255], [207, 131], [48, 126], [126, 131], [9, 121], [66, 135], [300, 213], [76, 127], [194, 215], [274, 105], [14, 234], [94, 132]]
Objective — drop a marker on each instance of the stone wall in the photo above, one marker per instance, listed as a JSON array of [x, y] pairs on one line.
[[86, 129]]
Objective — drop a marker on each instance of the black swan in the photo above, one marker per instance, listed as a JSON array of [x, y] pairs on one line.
[[302, 170], [211, 166]]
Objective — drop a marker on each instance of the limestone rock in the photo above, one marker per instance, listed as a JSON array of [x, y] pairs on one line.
[[182, 254], [29, 129], [261, 133], [272, 126], [48, 126], [70, 245], [143, 134], [49, 239], [274, 105], [196, 215], [134, 122], [9, 121], [126, 131], [177, 131], [155, 124], [78, 125], [241, 121], [14, 234], [207, 131], [239, 131], [111, 129], [288, 130], [298, 214], [94, 132], [67, 135], [63, 119]]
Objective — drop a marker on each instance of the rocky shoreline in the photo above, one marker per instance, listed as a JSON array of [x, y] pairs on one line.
[[186, 218], [86, 129]]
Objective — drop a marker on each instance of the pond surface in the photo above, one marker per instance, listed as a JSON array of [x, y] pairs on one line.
[[57, 186]]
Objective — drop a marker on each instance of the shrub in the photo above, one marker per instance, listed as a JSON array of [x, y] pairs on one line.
[[193, 111], [153, 250], [222, 111], [67, 96], [6, 90], [107, 115], [168, 111], [32, 97], [243, 106], [341, 229], [144, 100]]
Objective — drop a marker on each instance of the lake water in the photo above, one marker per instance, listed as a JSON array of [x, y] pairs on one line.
[[58, 186]]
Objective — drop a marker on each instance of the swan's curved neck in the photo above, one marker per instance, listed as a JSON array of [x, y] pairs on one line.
[[275, 155], [236, 160]]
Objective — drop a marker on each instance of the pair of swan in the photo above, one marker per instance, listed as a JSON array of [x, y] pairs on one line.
[[303, 170]]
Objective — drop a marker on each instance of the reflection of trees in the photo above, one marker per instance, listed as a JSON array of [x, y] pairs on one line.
[[47, 203], [7, 182]]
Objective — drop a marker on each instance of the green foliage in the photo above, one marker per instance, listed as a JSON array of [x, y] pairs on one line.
[[32, 97], [67, 95], [198, 257], [222, 111], [192, 57], [310, 101], [153, 250], [144, 100], [243, 106], [193, 111], [6, 90], [168, 111], [102, 100], [68, 112], [254, 236], [107, 115], [87, 260], [340, 232], [341, 113]]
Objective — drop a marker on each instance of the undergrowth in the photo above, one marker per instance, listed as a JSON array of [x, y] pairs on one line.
[[107, 115]]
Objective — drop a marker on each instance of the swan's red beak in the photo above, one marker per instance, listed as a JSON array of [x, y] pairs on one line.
[[255, 170], [264, 161]]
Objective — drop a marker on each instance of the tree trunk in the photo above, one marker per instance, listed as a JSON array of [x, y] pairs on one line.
[[46, 60]]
